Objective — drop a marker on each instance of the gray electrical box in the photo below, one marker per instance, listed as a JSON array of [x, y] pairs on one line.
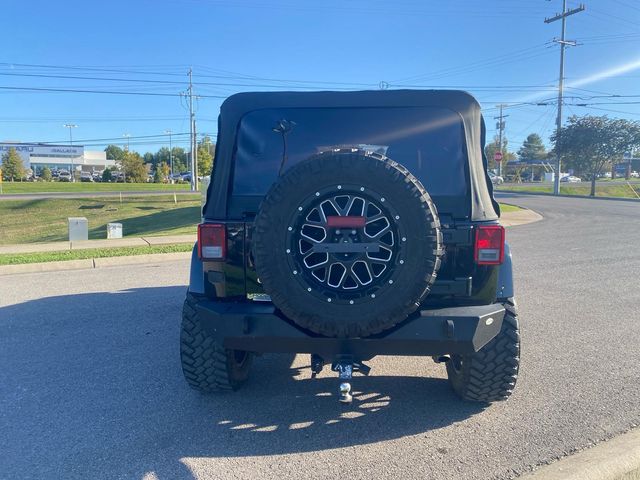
[[78, 229], [114, 230]]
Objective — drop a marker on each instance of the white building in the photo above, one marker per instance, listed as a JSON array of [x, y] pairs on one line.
[[36, 156]]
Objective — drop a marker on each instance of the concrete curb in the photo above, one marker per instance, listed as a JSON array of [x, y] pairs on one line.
[[521, 217], [93, 263], [615, 459], [88, 244]]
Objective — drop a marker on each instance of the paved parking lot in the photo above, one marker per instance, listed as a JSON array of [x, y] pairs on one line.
[[91, 384]]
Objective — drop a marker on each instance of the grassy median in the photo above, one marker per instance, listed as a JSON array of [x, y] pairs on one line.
[[40, 257], [615, 189], [45, 220], [88, 187]]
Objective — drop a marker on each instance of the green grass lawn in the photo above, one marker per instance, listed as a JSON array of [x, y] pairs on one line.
[[505, 207], [87, 187], [621, 190], [45, 220], [40, 257]]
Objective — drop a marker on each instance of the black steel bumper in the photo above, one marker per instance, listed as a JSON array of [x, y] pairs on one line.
[[258, 327]]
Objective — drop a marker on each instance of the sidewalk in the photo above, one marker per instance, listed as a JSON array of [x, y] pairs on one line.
[[508, 219], [83, 245]]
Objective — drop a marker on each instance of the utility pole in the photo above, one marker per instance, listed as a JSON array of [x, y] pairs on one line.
[[563, 43], [500, 126], [71, 126], [170, 152], [127, 135], [192, 136]]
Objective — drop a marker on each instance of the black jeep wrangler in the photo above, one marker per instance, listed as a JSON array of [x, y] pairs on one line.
[[347, 225]]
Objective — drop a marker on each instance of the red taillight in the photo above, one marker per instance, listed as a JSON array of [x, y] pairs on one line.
[[489, 248], [212, 241]]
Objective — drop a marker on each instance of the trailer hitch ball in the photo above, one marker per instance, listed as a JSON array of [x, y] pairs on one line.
[[345, 393]]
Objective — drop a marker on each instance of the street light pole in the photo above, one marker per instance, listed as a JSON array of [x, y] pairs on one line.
[[170, 151], [124, 175], [71, 126]]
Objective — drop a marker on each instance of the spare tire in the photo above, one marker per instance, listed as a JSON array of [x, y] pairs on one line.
[[347, 243]]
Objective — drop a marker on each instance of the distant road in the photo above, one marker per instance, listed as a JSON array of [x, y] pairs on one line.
[[39, 196]]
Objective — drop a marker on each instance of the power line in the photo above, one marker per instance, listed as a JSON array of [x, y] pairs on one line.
[[107, 92]]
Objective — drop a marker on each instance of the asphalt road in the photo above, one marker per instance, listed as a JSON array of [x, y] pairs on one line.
[[91, 385]]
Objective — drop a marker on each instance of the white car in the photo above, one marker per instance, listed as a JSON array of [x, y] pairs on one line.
[[496, 179], [571, 179], [635, 174], [64, 176]]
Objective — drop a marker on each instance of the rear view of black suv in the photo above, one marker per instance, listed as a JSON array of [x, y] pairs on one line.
[[347, 225]]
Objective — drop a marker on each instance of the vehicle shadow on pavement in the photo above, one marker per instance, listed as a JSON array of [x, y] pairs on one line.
[[96, 390]]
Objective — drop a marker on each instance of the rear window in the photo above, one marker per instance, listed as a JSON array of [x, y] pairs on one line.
[[428, 141]]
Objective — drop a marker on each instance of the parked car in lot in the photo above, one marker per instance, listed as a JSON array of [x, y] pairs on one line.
[[496, 179], [571, 179], [86, 177], [64, 176], [635, 174]]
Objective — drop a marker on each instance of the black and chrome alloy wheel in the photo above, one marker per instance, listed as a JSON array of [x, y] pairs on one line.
[[344, 243]]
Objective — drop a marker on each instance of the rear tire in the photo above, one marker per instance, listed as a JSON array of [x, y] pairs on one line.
[[490, 374], [208, 366]]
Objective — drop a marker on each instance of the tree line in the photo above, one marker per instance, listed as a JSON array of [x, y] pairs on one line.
[[133, 166], [586, 145], [136, 166]]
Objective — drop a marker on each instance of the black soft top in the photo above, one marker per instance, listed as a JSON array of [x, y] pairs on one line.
[[483, 206]]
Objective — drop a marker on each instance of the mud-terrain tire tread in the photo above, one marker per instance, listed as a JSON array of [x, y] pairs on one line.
[[206, 365], [347, 328], [490, 374]]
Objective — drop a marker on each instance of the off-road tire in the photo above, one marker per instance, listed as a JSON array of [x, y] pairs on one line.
[[490, 374], [413, 264], [206, 365]]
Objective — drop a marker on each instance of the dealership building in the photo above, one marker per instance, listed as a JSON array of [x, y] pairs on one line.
[[36, 156]]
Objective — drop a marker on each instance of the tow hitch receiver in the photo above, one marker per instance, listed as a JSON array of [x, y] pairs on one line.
[[345, 369]]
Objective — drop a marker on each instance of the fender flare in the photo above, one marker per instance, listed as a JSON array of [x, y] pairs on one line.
[[504, 287], [196, 277]]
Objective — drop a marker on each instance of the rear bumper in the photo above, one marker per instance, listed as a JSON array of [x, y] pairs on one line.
[[260, 328]]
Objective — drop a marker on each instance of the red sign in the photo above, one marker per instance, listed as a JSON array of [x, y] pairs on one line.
[[497, 156]]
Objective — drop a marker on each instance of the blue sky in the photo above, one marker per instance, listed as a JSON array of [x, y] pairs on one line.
[[499, 50]]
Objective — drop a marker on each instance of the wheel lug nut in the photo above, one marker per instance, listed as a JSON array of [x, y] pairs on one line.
[[353, 232]]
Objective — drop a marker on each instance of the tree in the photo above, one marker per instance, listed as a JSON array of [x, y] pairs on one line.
[[161, 173], [12, 166], [107, 176], [164, 168], [114, 152], [149, 158], [491, 148], [180, 163], [133, 167], [157, 176], [46, 174], [205, 157], [532, 148], [587, 143]]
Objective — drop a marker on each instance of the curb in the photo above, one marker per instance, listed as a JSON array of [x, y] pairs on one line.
[[615, 459], [521, 217], [102, 243], [564, 195], [93, 263]]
